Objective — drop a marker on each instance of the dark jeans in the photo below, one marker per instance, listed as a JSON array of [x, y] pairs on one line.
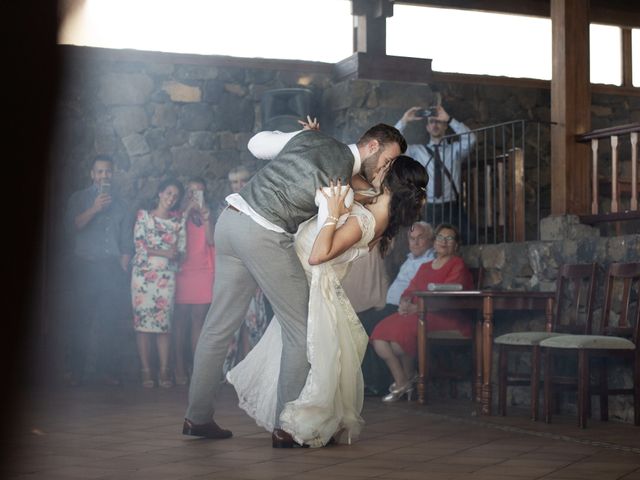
[[100, 300], [377, 377]]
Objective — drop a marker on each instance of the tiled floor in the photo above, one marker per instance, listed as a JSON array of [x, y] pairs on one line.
[[118, 433]]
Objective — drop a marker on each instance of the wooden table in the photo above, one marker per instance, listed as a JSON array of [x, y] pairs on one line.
[[486, 301]]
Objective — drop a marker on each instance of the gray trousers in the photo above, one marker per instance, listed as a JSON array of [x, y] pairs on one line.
[[250, 256]]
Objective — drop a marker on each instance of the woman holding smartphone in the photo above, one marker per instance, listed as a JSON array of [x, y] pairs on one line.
[[194, 281]]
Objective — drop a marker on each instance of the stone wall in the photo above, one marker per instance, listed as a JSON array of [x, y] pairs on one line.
[[160, 116], [165, 115]]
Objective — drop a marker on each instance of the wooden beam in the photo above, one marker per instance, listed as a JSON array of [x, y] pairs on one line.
[[627, 71], [609, 12], [622, 13], [373, 67], [534, 8], [570, 107]]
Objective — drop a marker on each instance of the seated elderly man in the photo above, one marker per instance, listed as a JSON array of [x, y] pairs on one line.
[[420, 236]]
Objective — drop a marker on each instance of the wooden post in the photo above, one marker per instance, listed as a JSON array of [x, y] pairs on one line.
[[518, 194], [488, 201], [370, 25], [634, 171], [570, 106], [487, 346], [594, 176], [502, 197], [627, 74], [475, 198], [615, 195]]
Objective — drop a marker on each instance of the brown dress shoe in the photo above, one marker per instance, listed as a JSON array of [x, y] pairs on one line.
[[206, 430], [282, 439]]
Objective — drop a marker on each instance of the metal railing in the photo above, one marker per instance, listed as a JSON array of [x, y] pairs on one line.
[[501, 178]]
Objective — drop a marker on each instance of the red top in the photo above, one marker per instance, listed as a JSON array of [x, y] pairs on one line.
[[454, 271]]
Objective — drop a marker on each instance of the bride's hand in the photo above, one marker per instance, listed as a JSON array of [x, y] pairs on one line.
[[335, 201], [310, 124]]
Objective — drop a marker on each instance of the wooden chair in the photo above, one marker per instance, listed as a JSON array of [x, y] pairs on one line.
[[454, 343], [574, 293], [618, 337]]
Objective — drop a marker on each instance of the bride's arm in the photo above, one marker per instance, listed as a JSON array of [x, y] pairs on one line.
[[331, 241]]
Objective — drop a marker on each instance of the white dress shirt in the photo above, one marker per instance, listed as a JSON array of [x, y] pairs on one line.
[[451, 155], [407, 271], [266, 146]]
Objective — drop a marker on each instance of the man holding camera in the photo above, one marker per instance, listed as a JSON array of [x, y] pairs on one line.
[[443, 160], [103, 242]]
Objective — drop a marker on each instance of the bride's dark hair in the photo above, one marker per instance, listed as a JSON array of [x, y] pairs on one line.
[[407, 180]]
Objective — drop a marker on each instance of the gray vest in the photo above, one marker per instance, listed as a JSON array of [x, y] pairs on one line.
[[283, 191]]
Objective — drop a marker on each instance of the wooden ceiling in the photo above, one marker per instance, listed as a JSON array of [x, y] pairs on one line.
[[623, 13]]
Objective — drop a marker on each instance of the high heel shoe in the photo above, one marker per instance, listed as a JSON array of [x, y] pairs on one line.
[[413, 379], [164, 379], [147, 381], [397, 393]]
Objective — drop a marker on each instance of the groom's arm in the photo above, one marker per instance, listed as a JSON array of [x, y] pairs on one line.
[[266, 145]]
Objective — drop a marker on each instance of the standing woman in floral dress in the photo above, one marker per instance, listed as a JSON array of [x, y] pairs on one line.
[[160, 240]]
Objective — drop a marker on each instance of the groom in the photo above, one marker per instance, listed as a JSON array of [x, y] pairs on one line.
[[254, 248]]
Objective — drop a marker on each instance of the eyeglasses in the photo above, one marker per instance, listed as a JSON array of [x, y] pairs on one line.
[[445, 239]]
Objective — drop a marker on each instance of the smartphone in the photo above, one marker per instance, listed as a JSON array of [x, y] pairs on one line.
[[198, 197], [105, 188], [426, 112]]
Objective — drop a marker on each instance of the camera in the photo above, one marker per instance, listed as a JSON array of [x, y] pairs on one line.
[[105, 188], [426, 112]]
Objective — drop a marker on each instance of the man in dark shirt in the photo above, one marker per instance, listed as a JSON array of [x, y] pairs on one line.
[[102, 231]]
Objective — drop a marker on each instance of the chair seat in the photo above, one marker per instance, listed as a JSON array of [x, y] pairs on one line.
[[593, 342], [524, 338]]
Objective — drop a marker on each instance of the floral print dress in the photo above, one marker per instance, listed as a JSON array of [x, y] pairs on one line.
[[153, 280]]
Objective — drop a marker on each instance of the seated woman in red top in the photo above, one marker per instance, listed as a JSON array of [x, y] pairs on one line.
[[394, 338]]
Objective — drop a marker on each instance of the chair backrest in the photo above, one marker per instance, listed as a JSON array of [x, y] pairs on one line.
[[621, 310], [477, 273], [574, 298]]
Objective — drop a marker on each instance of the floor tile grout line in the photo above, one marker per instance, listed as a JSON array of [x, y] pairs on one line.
[[509, 428]]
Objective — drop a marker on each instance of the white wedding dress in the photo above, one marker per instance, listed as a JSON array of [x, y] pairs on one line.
[[331, 399]]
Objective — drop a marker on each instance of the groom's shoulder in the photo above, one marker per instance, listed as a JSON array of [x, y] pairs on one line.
[[307, 135]]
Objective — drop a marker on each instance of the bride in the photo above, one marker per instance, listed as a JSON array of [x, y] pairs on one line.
[[330, 402]]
